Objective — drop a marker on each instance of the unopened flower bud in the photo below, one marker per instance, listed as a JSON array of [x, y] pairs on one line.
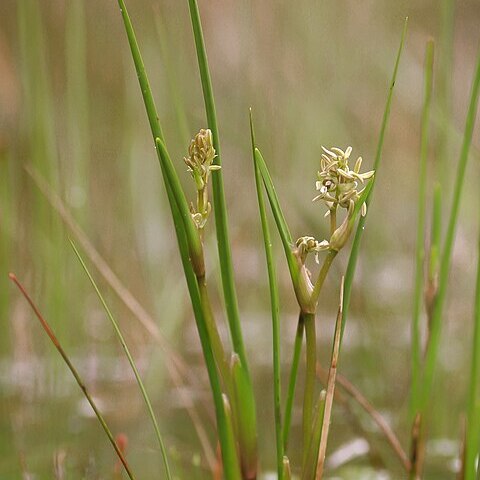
[[342, 233]]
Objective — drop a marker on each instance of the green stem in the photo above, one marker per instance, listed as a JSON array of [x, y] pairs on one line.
[[352, 261], [275, 307], [420, 249], [323, 274], [333, 220], [436, 323], [310, 376], [436, 234], [297, 349], [214, 337]]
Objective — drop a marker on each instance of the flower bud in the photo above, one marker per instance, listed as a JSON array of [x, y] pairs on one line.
[[342, 233]]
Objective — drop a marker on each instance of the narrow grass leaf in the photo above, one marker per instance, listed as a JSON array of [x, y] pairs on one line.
[[352, 261], [244, 412], [48, 330], [219, 204], [131, 361], [278, 215], [436, 235], [420, 248], [297, 350], [436, 323], [192, 235], [275, 309], [172, 77]]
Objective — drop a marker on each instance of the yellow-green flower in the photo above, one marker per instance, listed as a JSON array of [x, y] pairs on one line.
[[337, 183], [201, 154]]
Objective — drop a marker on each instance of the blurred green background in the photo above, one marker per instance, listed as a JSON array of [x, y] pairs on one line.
[[315, 73]]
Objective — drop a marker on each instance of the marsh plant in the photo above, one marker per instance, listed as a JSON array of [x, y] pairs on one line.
[[343, 191]]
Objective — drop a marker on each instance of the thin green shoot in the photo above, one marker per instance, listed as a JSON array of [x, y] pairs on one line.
[[275, 309], [420, 247], [310, 378], [172, 77], [444, 91], [131, 361], [352, 261], [436, 236], [297, 350], [279, 217], [436, 322]]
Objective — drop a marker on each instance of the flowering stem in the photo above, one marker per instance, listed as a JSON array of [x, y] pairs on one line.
[[311, 347], [323, 274], [214, 337], [333, 220]]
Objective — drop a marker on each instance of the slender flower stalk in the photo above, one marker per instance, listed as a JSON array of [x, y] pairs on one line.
[[337, 184], [310, 377]]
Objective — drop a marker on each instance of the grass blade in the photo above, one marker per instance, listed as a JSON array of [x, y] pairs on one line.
[[278, 215], [352, 261], [310, 377], [297, 350], [191, 232], [75, 374], [148, 100], [172, 77], [436, 323], [420, 248], [275, 309], [219, 205], [243, 408], [138, 378]]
